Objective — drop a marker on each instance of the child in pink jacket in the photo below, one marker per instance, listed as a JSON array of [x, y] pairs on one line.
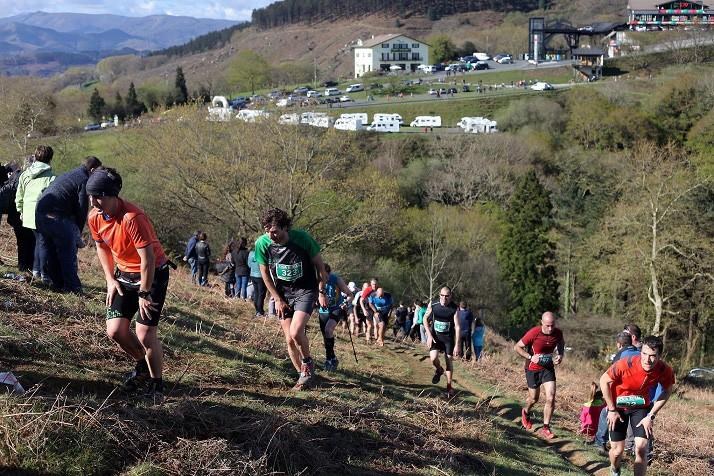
[[590, 413]]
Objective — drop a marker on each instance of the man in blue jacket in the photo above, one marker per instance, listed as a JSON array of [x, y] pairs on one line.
[[190, 255], [60, 217]]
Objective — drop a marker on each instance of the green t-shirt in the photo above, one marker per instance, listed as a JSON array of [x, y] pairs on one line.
[[290, 265]]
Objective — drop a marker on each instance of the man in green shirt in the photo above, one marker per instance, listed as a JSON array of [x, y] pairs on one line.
[[295, 275]]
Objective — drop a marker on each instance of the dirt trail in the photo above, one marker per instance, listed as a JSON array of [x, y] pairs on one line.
[[565, 445]]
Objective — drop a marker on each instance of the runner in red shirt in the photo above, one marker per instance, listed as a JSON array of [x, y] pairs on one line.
[[627, 388], [136, 270], [537, 346]]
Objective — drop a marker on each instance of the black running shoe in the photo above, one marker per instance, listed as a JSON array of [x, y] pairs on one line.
[[137, 378], [155, 390], [437, 375]]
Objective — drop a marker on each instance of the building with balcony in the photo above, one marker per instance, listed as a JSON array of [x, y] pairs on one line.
[[395, 52], [658, 15]]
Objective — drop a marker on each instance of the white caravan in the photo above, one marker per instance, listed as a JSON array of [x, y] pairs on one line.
[[309, 117], [321, 121], [481, 126], [349, 124], [219, 110], [289, 119], [426, 121], [362, 116], [251, 115], [387, 117], [385, 125]]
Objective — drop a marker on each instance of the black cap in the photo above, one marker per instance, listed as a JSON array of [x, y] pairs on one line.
[[104, 182]]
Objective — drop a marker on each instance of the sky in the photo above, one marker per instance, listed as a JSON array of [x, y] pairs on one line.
[[217, 9]]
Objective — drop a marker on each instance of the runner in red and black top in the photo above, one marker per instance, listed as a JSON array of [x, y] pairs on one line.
[[442, 329], [627, 388], [367, 310], [537, 346]]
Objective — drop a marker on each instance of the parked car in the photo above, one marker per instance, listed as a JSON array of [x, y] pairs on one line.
[[92, 127], [465, 88], [481, 65], [313, 94], [541, 86], [376, 86], [328, 84], [345, 99], [452, 91], [302, 90], [329, 100], [353, 88], [332, 92]]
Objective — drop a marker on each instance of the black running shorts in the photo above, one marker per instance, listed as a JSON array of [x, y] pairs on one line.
[[127, 305], [633, 417], [536, 378], [443, 343], [383, 317], [302, 300]]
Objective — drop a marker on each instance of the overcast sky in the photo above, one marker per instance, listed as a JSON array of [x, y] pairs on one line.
[[219, 9]]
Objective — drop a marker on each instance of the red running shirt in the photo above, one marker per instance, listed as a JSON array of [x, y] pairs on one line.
[[541, 343], [629, 378], [123, 234]]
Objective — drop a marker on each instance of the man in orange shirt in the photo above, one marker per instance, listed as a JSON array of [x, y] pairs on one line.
[[627, 388], [137, 273]]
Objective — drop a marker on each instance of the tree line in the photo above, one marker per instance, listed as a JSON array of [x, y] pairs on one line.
[[295, 11], [209, 41]]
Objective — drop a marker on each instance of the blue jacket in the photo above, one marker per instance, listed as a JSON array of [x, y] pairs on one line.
[[66, 197], [191, 247]]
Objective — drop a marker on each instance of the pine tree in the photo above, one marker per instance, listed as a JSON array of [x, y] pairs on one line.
[[526, 253], [118, 107], [97, 106], [180, 94], [133, 106]]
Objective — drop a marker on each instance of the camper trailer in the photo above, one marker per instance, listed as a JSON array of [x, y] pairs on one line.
[[321, 121], [309, 117], [289, 119], [251, 115], [349, 124], [362, 116], [219, 110], [478, 125], [385, 125], [387, 117], [426, 121]]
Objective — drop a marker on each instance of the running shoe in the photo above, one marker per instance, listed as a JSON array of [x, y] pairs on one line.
[[307, 373], [614, 471], [155, 390], [137, 378], [526, 419], [331, 364], [546, 433], [437, 375]]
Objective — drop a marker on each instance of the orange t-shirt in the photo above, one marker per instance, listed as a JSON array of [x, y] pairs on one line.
[[124, 234], [629, 378]]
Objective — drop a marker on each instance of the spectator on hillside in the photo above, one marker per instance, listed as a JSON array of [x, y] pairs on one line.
[[466, 319], [190, 256], [477, 337], [203, 258], [242, 270], [400, 319], [226, 269], [32, 182], [25, 239], [259, 289], [60, 217], [590, 412]]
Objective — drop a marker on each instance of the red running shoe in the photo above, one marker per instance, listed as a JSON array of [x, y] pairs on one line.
[[546, 433], [526, 420]]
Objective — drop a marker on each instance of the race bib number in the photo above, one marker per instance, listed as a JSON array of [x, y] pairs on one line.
[[288, 272], [545, 360], [442, 326], [630, 401]]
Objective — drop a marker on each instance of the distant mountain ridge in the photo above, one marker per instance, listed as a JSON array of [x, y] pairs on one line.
[[24, 36]]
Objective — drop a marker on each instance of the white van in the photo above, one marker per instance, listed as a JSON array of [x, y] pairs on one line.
[[362, 116], [386, 125], [349, 124], [353, 88], [387, 117], [251, 115], [426, 121], [332, 92]]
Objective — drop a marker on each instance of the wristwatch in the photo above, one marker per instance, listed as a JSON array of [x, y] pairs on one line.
[[322, 291], [651, 415], [144, 294]]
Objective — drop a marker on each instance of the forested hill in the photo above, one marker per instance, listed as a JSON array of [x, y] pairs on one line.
[[286, 12]]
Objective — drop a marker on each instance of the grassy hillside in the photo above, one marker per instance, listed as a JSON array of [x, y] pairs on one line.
[[229, 408]]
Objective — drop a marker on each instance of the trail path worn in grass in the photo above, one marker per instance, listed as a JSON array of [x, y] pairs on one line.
[[506, 411]]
